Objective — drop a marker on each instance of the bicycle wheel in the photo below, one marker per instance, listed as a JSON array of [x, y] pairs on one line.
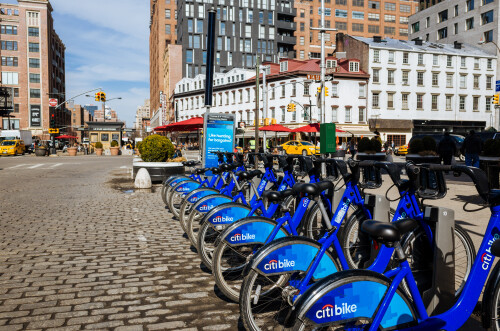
[[491, 319], [314, 226], [193, 226], [357, 246], [416, 247], [206, 243], [176, 198]]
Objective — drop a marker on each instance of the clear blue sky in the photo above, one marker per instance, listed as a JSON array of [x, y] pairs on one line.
[[107, 45]]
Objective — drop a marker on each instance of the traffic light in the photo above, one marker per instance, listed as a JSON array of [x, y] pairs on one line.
[[326, 91], [52, 120], [273, 121], [103, 96], [266, 121], [289, 107], [98, 96], [496, 99], [319, 90]]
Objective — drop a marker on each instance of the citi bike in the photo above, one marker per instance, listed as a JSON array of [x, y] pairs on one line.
[[376, 299]]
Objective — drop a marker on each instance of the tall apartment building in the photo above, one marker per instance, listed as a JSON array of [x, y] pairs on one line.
[[363, 18], [33, 59], [245, 28], [162, 33], [470, 21], [142, 112], [172, 73]]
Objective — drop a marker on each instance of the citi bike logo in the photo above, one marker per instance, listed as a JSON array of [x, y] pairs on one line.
[[222, 219], [342, 212], [206, 207], [277, 264], [487, 258], [331, 311], [241, 237], [305, 202], [184, 189], [262, 186]]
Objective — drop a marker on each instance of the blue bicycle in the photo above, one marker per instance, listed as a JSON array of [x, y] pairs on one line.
[[375, 299]]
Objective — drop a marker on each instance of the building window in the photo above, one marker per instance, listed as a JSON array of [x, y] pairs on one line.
[[389, 30], [405, 77], [8, 29], [362, 91], [189, 56], [34, 93], [449, 80], [373, 4], [434, 103], [376, 75], [373, 17], [404, 100], [302, 55], [420, 101], [353, 66], [448, 60], [463, 61], [10, 78], [403, 32], [302, 41], [391, 57], [358, 3], [469, 23], [361, 114], [405, 9], [442, 33], [9, 61], [358, 15], [33, 32], [34, 78], [390, 18], [405, 58], [489, 64], [307, 86], [390, 76], [373, 29], [448, 102], [375, 99], [415, 27], [341, 13], [435, 79], [167, 13], [334, 114], [168, 29], [463, 81], [487, 17], [283, 91], [390, 6], [469, 5], [9, 45], [475, 103], [488, 36], [358, 27], [376, 55], [443, 16], [348, 114], [476, 63], [341, 25], [420, 78], [335, 90], [390, 100], [435, 60], [488, 104], [462, 103], [34, 47], [420, 59]]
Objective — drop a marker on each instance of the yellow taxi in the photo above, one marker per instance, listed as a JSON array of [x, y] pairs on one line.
[[300, 147], [12, 147], [401, 150]]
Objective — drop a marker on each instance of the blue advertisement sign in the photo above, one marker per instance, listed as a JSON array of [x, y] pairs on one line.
[[497, 86], [218, 136]]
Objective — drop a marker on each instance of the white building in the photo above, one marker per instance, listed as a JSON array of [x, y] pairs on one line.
[[425, 87], [234, 92], [142, 112]]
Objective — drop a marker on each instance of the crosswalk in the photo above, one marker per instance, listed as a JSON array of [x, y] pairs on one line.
[[38, 166]]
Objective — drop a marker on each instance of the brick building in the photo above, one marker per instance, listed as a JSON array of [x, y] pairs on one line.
[[363, 18], [33, 60], [163, 23], [79, 117]]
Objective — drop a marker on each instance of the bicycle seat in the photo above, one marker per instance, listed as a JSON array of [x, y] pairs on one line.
[[248, 175], [215, 170], [312, 188], [274, 196], [388, 233], [201, 171], [495, 248], [225, 167], [190, 163]]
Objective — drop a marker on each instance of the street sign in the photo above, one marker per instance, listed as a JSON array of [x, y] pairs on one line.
[[53, 131], [52, 102], [314, 77], [330, 71], [497, 87]]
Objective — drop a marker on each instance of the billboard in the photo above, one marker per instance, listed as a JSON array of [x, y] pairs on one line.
[[218, 136]]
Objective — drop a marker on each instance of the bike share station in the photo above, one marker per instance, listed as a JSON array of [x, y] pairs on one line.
[[218, 136]]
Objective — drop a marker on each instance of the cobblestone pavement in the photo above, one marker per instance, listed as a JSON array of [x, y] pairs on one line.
[[77, 252]]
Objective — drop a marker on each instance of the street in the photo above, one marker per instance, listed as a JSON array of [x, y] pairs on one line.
[[80, 249]]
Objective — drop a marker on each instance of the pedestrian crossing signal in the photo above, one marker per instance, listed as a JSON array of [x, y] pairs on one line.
[[496, 99]]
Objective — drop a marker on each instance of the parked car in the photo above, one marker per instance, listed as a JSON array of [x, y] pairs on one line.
[[401, 150], [458, 139], [12, 147], [299, 147]]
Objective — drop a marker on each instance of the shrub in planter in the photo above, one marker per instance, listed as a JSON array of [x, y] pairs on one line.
[[114, 143], [98, 144], [156, 148], [416, 146], [138, 145], [491, 148]]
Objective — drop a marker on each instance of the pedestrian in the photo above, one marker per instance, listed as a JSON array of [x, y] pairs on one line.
[[446, 149], [393, 145], [472, 147], [352, 146]]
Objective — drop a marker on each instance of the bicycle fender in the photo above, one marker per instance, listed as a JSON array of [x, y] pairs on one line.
[[186, 187], [197, 194], [225, 214], [176, 181], [290, 254], [209, 202], [250, 230], [348, 295], [171, 178], [489, 291]]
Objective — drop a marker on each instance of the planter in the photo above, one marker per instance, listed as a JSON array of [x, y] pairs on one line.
[[98, 151], [419, 159], [72, 151], [159, 171], [114, 150], [371, 157], [41, 151]]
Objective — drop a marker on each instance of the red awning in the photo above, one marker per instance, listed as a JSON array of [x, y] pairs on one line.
[[275, 128], [65, 136], [187, 125], [314, 127]]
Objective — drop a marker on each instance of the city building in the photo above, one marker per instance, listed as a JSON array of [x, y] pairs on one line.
[[91, 109], [244, 30], [172, 70], [418, 87], [473, 22], [287, 83], [105, 116], [364, 18], [143, 112], [33, 60], [162, 32], [79, 118]]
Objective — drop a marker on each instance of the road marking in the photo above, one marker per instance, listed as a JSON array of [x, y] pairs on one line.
[[19, 165], [36, 166], [55, 165]]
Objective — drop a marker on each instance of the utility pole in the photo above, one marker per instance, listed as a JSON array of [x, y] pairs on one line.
[[322, 63], [264, 104], [257, 80]]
